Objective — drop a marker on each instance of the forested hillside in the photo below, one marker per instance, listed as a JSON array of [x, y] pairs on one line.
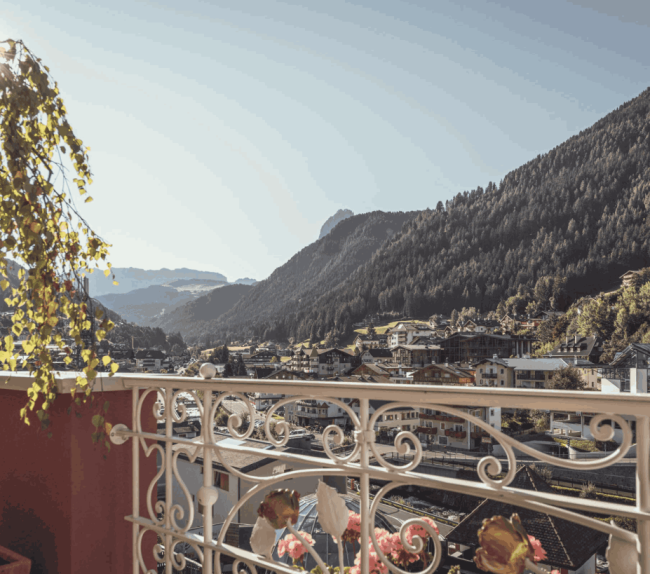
[[193, 316], [311, 273], [579, 211]]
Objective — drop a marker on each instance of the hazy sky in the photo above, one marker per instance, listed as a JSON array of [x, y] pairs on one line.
[[224, 133]]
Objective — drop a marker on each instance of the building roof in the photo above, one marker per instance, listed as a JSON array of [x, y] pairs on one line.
[[452, 370], [567, 544], [383, 379], [150, 354], [545, 364], [643, 348], [421, 347], [377, 369], [496, 360], [262, 372], [571, 347], [379, 353], [243, 461], [376, 404]]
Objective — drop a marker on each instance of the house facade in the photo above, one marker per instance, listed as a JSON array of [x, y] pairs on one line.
[[416, 355], [149, 360], [404, 333], [579, 347], [474, 347], [438, 427]]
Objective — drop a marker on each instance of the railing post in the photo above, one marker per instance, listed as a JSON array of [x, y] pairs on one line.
[[365, 486], [169, 474], [643, 491], [207, 479], [135, 461]]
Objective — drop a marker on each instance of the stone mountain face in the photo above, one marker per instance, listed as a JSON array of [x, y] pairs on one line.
[[333, 221], [130, 278]]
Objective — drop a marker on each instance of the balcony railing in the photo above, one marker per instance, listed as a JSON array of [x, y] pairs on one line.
[[166, 521]]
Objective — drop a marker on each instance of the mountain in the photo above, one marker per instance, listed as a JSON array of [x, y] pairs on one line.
[[312, 272], [245, 281], [193, 315], [579, 212], [130, 278], [331, 223]]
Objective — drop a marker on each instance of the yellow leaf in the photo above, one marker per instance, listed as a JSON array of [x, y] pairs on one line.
[[107, 272], [4, 284], [106, 359], [115, 283], [108, 427], [114, 368]]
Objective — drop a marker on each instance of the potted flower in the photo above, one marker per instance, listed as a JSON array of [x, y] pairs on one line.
[[13, 563]]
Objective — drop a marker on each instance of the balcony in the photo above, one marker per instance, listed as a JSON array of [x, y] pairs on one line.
[[489, 375], [531, 376], [117, 524]]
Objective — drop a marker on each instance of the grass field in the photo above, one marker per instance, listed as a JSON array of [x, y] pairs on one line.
[[381, 329]]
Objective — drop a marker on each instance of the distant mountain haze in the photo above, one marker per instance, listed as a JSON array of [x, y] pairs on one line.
[[130, 278], [331, 223]]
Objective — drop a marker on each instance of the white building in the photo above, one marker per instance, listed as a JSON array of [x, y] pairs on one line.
[[230, 487]]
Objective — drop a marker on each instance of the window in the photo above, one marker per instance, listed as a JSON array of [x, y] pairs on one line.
[[442, 440], [501, 383], [491, 412], [458, 428], [442, 426], [201, 507], [502, 371]]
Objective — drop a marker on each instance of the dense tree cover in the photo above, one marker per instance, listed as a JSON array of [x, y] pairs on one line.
[[43, 232], [567, 379], [190, 317], [128, 334], [618, 317], [266, 308], [577, 213]]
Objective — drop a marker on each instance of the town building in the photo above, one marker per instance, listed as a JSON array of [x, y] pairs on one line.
[[441, 375], [329, 362], [371, 341], [404, 333], [441, 428], [377, 356], [468, 348], [230, 486], [150, 360], [416, 355], [480, 326], [579, 347]]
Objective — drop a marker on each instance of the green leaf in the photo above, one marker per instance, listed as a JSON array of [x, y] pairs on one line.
[[96, 419], [106, 406]]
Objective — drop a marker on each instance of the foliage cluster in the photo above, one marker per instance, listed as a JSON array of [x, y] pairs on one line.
[[42, 235]]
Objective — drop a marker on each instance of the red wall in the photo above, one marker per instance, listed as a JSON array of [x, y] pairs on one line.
[[61, 504]]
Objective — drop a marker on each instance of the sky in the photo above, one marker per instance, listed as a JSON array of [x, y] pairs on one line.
[[224, 133]]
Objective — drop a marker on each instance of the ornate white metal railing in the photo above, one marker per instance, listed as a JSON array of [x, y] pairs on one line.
[[165, 518]]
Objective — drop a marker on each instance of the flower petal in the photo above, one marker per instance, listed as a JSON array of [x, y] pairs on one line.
[[263, 537]]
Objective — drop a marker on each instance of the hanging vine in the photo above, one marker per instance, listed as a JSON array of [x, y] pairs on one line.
[[46, 246]]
